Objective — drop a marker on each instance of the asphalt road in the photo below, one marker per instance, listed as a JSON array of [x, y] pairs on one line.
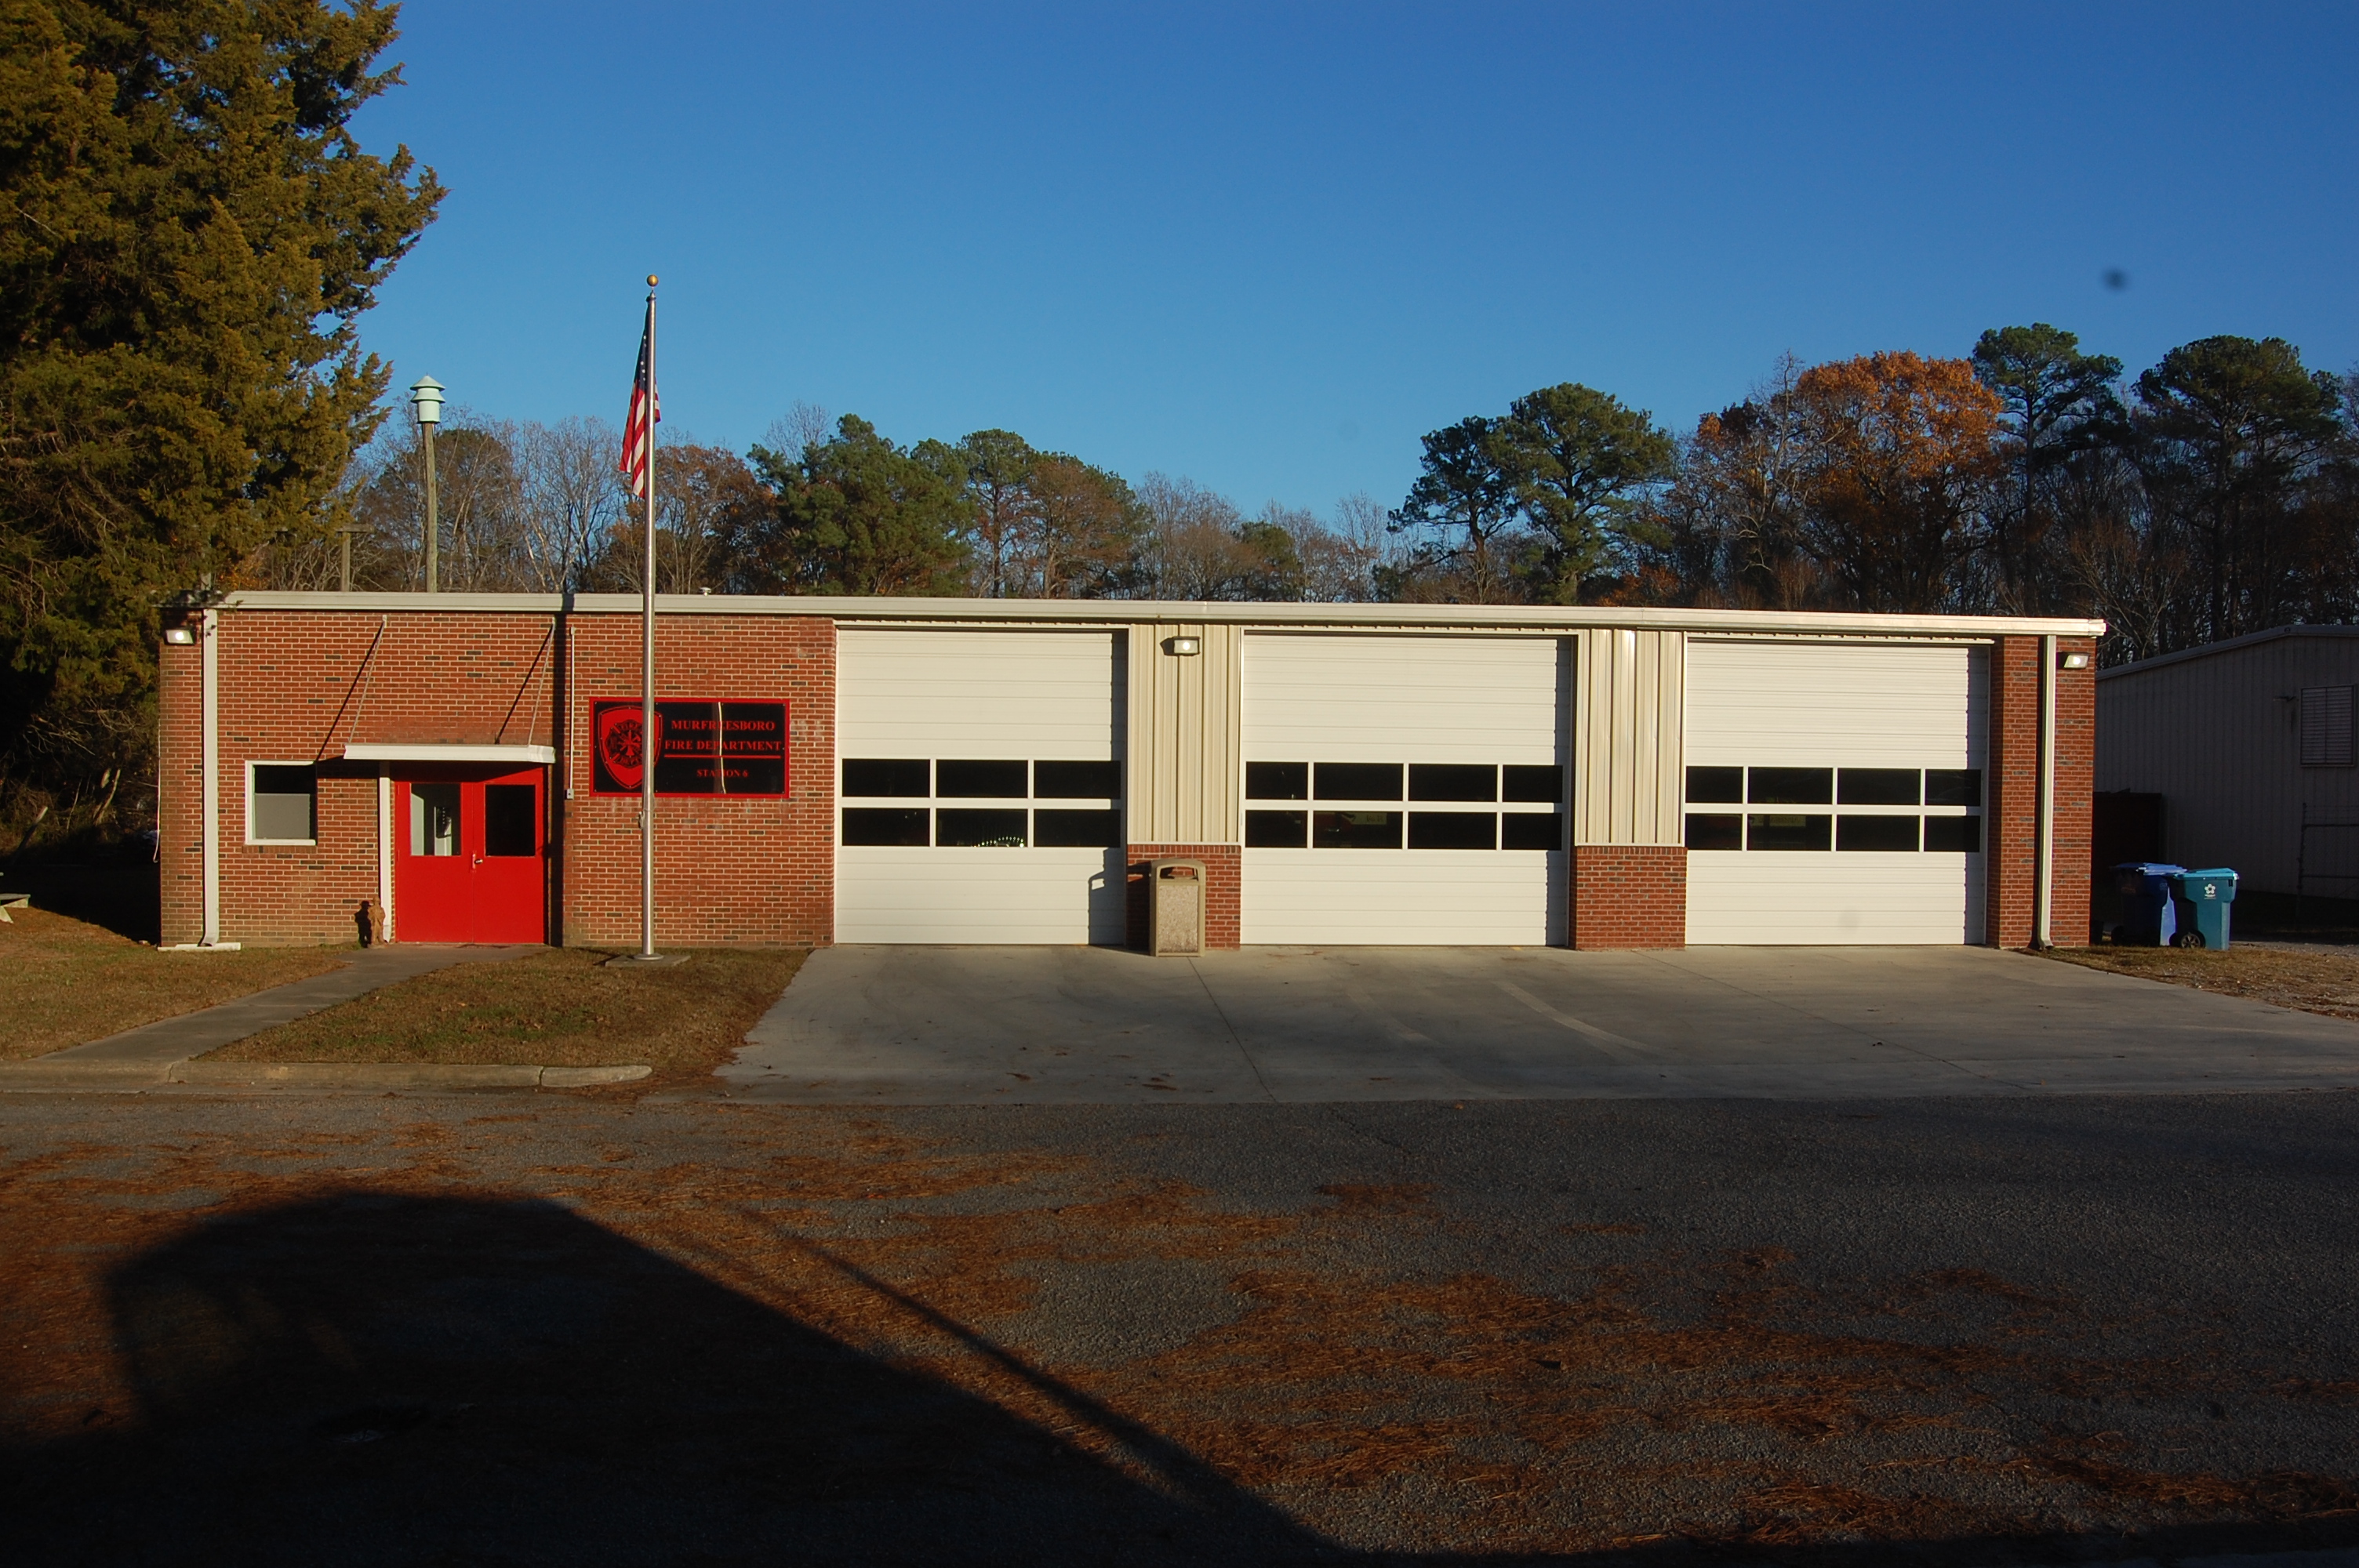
[[541, 1328]]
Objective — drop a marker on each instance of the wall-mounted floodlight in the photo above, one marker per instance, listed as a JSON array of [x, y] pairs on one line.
[[2073, 662], [1184, 647], [179, 636], [425, 397]]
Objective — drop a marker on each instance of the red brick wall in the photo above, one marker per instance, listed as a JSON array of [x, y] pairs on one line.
[[748, 871], [1629, 895], [2076, 784], [297, 686], [2012, 825], [180, 790], [1223, 881]]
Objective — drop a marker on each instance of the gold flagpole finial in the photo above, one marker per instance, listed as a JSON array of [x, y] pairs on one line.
[[651, 280]]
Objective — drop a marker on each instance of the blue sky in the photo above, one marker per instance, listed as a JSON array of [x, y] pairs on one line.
[[1268, 247]]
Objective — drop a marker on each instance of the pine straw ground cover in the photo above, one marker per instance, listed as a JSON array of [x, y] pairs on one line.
[[64, 982], [2309, 980], [818, 1335], [558, 1008]]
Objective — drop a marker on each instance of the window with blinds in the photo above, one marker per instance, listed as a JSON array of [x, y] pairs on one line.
[[2326, 727]]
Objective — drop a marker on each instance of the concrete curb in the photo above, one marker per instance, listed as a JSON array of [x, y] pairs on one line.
[[38, 1076]]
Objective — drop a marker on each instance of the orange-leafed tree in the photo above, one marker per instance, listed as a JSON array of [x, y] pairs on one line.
[[1904, 453]]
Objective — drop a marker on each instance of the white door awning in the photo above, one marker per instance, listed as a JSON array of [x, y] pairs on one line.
[[441, 752]]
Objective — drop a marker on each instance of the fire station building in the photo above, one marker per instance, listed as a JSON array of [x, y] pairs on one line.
[[973, 771]]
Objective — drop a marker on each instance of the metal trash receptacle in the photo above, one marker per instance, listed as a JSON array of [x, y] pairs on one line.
[[2202, 899], [1175, 908], [2145, 909]]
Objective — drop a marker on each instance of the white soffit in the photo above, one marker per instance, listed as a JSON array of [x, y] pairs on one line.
[[431, 752]]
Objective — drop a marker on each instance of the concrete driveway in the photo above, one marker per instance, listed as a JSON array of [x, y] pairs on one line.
[[1093, 1025]]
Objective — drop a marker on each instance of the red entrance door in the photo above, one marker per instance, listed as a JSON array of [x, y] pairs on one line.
[[470, 857]]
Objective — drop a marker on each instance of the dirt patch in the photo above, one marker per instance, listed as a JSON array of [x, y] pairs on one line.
[[2311, 983], [65, 982], [561, 1008]]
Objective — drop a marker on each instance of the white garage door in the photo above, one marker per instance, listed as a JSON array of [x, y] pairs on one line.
[[1834, 793], [980, 783], [1404, 789]]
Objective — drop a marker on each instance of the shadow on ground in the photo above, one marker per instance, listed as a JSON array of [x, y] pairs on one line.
[[372, 1378]]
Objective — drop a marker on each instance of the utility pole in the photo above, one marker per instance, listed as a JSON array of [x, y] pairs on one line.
[[426, 397]]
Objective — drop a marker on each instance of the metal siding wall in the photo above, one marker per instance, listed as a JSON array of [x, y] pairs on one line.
[[1628, 724], [1185, 778], [2219, 739]]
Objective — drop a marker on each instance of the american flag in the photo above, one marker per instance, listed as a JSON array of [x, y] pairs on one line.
[[646, 410]]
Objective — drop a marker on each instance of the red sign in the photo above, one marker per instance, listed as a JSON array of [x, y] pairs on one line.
[[700, 748]]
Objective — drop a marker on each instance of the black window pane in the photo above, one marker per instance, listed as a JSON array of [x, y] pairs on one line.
[[1355, 829], [1531, 830], [1453, 830], [1358, 781], [1875, 833], [1714, 830], [1535, 784], [903, 776], [990, 779], [904, 826], [1278, 780], [1714, 786], [1782, 831], [1276, 829], [1877, 786], [1954, 834], [509, 819], [1077, 829], [1451, 781], [274, 778], [994, 828], [1077, 780], [1792, 786], [1953, 786]]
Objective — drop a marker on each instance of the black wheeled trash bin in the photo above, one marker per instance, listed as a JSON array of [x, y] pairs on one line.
[[2145, 914], [2202, 900]]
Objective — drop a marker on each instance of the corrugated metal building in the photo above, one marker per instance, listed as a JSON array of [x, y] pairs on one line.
[[2249, 743]]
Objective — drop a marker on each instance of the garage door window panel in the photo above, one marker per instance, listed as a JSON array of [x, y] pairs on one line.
[[1355, 829], [1716, 786], [1790, 786], [1077, 780], [1068, 829], [1531, 830], [1715, 831], [896, 826], [1953, 786], [1532, 783], [1357, 781], [1278, 780], [1877, 833], [1787, 830], [1453, 830], [1451, 781], [1277, 829], [1879, 786], [1954, 834], [889, 778], [989, 827], [969, 779]]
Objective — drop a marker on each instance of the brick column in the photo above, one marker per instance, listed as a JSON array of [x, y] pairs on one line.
[[179, 788], [1629, 895], [2011, 814], [1223, 880]]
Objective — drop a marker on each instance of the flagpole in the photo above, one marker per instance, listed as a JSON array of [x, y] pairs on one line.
[[650, 739]]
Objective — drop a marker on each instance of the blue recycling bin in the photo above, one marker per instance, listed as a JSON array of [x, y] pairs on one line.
[[2145, 911], [2200, 899]]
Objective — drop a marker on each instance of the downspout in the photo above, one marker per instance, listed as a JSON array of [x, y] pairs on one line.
[[208, 703], [385, 831], [2043, 876]]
